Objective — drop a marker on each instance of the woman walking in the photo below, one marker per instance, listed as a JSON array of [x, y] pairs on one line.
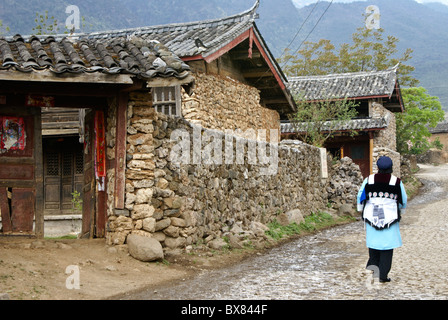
[[382, 199]]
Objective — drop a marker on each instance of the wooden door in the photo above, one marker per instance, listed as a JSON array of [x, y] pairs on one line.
[[359, 153], [21, 195], [89, 199], [63, 174]]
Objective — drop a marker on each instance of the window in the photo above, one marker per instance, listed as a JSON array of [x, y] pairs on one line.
[[167, 100]]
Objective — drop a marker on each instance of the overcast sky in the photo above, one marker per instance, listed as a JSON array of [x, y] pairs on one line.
[[302, 3]]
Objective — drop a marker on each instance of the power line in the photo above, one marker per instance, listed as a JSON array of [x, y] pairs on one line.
[[306, 38], [300, 29], [298, 34]]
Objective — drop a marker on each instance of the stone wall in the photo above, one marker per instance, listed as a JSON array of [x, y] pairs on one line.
[[345, 181], [223, 103], [385, 141], [181, 196], [385, 138], [395, 156], [181, 203]]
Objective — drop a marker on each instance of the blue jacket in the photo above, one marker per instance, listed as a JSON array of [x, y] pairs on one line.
[[389, 238]]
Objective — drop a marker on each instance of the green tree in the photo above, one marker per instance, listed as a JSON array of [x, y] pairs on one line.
[[369, 51], [45, 24], [318, 121], [3, 29], [422, 112]]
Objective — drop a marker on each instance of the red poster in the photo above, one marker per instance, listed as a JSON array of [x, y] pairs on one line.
[[12, 133], [100, 145]]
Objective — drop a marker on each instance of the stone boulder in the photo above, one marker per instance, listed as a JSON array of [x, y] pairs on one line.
[[143, 248], [347, 210], [290, 217]]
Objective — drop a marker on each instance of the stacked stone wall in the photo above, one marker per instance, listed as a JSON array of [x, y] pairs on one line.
[[223, 103], [181, 195]]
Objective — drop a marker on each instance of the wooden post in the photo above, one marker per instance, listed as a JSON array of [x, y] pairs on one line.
[[371, 151], [39, 174], [120, 150]]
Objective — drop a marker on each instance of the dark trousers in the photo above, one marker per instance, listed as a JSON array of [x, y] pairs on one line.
[[382, 259]]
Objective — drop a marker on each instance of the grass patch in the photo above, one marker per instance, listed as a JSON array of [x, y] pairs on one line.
[[313, 222], [68, 236]]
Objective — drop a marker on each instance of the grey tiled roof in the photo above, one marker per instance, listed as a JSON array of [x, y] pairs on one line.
[[442, 127], [354, 124], [192, 38], [132, 55], [345, 85]]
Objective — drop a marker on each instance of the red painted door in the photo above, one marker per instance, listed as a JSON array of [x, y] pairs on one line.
[[359, 153]]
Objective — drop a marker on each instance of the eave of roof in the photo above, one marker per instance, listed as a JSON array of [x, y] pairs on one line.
[[356, 85], [368, 124], [74, 59]]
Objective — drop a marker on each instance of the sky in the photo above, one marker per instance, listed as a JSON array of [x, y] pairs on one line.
[[302, 3]]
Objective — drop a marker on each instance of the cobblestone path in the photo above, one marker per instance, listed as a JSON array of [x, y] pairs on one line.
[[331, 264]]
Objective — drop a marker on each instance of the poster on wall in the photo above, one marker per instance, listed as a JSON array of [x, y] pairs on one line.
[[12, 133]]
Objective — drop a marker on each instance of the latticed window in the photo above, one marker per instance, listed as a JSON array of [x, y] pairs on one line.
[[79, 163], [167, 100], [52, 164]]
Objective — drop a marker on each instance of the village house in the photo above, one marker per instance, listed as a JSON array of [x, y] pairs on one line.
[[378, 96], [39, 75]]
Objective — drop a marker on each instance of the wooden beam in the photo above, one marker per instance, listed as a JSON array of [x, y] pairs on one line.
[[120, 150], [218, 53], [257, 73], [169, 82], [48, 76], [39, 175], [60, 89]]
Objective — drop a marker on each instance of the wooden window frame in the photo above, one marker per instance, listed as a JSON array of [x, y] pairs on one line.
[[171, 106]]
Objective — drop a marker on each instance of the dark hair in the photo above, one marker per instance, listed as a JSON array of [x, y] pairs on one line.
[[390, 170]]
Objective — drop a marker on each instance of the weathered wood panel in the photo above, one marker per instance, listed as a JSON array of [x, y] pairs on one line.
[[23, 209], [4, 208], [16, 172]]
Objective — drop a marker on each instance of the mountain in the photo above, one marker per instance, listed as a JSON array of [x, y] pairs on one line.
[[421, 27]]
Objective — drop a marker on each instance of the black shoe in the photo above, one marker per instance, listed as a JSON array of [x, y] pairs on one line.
[[385, 280]]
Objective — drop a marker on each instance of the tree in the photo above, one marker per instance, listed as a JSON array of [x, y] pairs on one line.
[[318, 121], [422, 112], [45, 24], [370, 51], [3, 29]]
